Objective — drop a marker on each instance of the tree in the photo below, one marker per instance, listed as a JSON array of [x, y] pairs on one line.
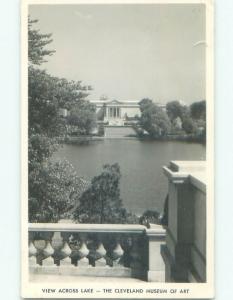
[[83, 116], [101, 113], [37, 43], [153, 119], [198, 110], [54, 191], [174, 110], [53, 187], [40, 149], [48, 94], [145, 103], [70, 92], [43, 104], [101, 202], [189, 125], [45, 124]]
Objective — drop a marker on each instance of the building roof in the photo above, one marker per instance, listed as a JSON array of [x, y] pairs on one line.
[[121, 102], [114, 101]]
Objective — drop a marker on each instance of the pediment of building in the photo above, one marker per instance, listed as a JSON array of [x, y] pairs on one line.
[[114, 102]]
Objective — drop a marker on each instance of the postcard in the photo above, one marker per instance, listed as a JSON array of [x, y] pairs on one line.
[[117, 189]]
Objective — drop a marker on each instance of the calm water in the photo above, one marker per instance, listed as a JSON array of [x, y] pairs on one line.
[[143, 185]]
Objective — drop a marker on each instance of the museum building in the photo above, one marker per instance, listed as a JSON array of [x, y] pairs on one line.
[[117, 113]]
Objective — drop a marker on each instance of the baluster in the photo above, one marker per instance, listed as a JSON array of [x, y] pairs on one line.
[[57, 244], [57, 241], [83, 251], [32, 251], [65, 250], [40, 244], [117, 254], [48, 251], [100, 254]]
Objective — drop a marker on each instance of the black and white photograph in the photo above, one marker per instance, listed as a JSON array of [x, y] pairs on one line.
[[117, 149]]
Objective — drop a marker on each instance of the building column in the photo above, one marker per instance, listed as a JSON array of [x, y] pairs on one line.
[[118, 112], [107, 112]]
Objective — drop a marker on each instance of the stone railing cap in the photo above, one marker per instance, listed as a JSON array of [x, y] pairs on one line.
[[155, 230], [88, 228], [181, 171], [188, 166]]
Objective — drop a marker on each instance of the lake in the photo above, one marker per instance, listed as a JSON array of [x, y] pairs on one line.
[[143, 184]]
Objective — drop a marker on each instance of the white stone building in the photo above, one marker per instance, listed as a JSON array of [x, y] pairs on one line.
[[117, 112]]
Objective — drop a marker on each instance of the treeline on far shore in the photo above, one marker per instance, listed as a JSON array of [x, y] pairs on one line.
[[178, 122]]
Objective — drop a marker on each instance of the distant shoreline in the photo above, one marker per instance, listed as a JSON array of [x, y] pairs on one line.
[[175, 138]]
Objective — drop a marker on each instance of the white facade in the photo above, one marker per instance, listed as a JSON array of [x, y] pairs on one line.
[[116, 112]]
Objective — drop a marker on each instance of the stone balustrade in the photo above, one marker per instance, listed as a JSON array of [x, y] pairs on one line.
[[110, 250]]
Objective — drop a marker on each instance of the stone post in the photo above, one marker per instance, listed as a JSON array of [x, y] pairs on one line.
[[156, 267], [181, 218]]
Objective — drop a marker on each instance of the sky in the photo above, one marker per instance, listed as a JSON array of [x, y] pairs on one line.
[[128, 51]]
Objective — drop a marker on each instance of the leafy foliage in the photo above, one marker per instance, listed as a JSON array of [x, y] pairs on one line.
[[178, 119], [198, 110], [36, 44], [189, 125], [101, 112], [47, 95], [83, 116], [40, 148], [54, 187], [144, 104], [54, 191], [101, 202], [43, 101], [153, 119], [174, 110]]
